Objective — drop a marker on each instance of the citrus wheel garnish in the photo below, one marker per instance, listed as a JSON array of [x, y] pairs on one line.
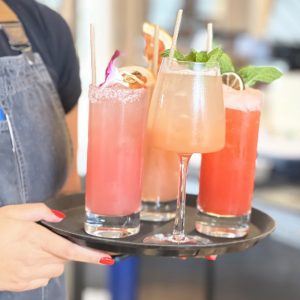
[[233, 80], [136, 77], [165, 41]]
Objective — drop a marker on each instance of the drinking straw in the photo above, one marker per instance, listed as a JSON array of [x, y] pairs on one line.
[[155, 50], [93, 53], [175, 34], [209, 36]]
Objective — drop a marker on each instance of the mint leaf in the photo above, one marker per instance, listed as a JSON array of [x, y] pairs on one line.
[[226, 64], [251, 74], [190, 56], [214, 57], [165, 53], [201, 56], [215, 54], [177, 54]]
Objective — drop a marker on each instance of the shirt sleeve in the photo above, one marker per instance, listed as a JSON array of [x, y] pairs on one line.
[[64, 58], [69, 85]]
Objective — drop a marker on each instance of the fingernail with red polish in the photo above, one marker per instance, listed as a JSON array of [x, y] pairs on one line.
[[58, 214], [183, 258], [106, 261], [211, 257]]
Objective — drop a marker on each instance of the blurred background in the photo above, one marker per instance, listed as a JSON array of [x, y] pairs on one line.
[[260, 32]]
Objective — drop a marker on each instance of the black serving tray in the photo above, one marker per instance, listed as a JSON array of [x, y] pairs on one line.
[[71, 228]]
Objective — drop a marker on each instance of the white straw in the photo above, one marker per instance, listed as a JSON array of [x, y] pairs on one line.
[[209, 36], [155, 50], [175, 34], [93, 53]]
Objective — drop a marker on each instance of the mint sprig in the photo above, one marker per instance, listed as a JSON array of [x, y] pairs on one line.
[[216, 55], [250, 74]]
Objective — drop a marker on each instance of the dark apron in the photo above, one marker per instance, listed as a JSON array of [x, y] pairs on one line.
[[35, 147]]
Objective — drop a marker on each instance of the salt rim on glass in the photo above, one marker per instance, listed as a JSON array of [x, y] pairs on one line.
[[248, 99], [115, 91]]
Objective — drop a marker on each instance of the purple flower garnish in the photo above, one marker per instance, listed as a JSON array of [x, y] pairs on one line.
[[111, 72]]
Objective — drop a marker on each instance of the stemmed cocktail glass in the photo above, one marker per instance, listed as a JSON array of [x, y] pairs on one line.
[[186, 116]]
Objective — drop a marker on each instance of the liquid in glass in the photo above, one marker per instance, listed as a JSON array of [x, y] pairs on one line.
[[117, 121], [227, 176]]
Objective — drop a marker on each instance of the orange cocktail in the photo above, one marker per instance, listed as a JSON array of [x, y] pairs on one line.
[[160, 179], [160, 173], [186, 116], [186, 127], [227, 176]]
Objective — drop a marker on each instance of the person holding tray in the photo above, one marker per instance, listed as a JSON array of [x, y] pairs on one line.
[[39, 83]]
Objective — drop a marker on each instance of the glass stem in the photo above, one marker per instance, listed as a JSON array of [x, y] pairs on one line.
[[178, 230]]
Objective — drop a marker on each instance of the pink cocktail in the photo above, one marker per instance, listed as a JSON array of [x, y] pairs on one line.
[[117, 121]]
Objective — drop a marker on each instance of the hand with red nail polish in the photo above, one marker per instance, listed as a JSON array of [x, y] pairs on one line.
[[30, 254]]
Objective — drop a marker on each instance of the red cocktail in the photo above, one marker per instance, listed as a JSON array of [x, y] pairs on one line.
[[227, 176]]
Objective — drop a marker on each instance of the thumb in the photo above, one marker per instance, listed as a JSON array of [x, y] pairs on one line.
[[33, 212]]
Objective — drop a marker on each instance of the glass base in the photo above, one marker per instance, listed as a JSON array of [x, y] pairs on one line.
[[225, 227], [112, 227], [158, 211], [170, 239]]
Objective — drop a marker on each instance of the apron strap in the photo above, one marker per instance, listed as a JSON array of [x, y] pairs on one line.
[[14, 30]]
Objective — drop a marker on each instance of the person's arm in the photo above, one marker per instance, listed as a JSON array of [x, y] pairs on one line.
[[31, 254]]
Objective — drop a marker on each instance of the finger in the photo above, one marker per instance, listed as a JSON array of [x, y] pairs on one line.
[[82, 254], [67, 250], [38, 283], [50, 271], [42, 271], [48, 259], [33, 212]]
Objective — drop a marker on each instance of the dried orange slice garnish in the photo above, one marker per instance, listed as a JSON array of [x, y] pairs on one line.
[[165, 41], [233, 80], [136, 77]]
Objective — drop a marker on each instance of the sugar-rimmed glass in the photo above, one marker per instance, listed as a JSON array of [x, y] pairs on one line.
[[117, 123]]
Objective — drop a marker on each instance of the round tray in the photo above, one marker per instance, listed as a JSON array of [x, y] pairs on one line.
[[72, 228]]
